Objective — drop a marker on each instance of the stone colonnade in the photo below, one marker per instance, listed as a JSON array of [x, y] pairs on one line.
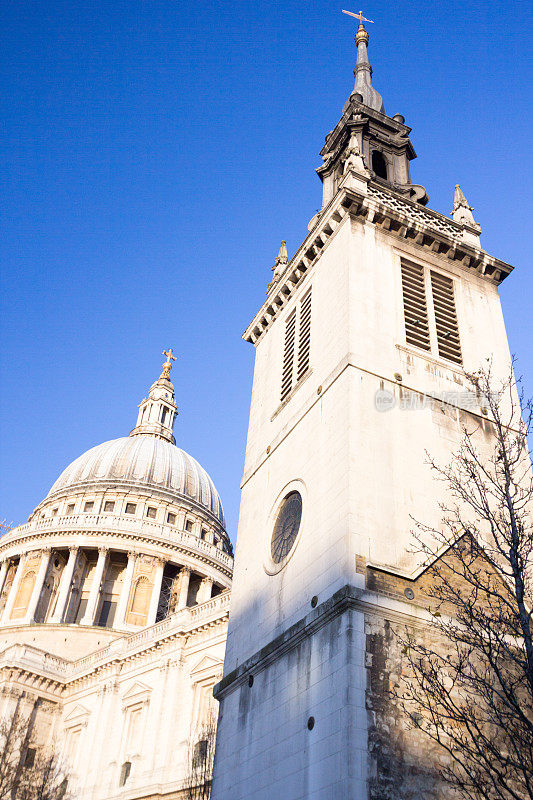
[[36, 564]]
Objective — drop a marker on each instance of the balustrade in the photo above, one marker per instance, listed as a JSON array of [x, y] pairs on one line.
[[28, 656], [118, 522]]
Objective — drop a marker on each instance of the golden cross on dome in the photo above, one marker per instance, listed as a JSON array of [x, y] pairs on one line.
[[167, 366], [358, 16]]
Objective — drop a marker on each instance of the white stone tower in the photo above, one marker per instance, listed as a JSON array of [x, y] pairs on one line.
[[361, 347]]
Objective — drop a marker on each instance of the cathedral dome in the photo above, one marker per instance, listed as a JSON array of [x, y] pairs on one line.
[[144, 462], [130, 533]]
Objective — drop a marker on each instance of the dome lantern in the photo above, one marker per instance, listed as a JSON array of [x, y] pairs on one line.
[[158, 411]]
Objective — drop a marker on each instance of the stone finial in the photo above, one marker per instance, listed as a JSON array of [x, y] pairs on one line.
[[280, 263], [282, 258], [462, 213]]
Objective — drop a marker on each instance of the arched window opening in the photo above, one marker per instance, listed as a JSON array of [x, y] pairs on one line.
[[29, 758], [164, 415], [48, 599], [8, 583], [379, 165], [200, 751], [140, 602], [23, 595]]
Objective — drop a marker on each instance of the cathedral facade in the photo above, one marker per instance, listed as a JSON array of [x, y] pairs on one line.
[[113, 612]]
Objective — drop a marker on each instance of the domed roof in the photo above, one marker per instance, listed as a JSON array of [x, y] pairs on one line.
[[145, 462]]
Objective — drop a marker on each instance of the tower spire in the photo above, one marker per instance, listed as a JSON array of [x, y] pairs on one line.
[[363, 70], [158, 411]]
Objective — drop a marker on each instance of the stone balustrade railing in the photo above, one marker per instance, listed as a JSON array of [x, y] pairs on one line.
[[186, 619], [118, 523], [29, 657], [218, 603]]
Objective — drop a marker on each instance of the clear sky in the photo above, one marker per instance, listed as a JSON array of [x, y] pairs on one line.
[[155, 154]]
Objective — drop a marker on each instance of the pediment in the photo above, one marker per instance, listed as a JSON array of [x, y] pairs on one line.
[[137, 691], [207, 664], [77, 713]]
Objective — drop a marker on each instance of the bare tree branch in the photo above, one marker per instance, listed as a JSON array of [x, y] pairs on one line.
[[28, 772], [468, 686], [201, 757]]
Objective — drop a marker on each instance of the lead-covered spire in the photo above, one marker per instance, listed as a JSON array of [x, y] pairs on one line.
[[363, 70], [365, 142], [158, 411]]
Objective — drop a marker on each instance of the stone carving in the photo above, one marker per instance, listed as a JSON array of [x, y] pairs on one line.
[[354, 159], [462, 212], [280, 263]]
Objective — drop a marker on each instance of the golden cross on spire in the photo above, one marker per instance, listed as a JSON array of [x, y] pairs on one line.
[[167, 366], [358, 16]]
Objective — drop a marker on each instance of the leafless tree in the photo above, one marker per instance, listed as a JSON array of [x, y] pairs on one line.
[[28, 772], [201, 756], [468, 685]]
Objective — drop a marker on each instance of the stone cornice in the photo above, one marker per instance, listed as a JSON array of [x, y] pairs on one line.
[[358, 115], [28, 662], [173, 497], [299, 265], [347, 598], [390, 212], [121, 534]]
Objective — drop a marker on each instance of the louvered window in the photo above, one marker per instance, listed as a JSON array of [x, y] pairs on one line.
[[304, 339], [445, 317], [438, 332], [288, 355], [297, 349], [415, 305]]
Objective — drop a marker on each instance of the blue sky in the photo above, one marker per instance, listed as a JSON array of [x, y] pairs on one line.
[[155, 153]]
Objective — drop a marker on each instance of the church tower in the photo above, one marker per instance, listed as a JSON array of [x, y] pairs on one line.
[[361, 348]]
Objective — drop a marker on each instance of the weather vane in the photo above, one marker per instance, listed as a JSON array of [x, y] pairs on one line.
[[358, 16]]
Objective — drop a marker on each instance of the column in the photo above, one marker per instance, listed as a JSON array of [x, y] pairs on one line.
[[185, 575], [94, 594], [156, 592], [64, 586], [204, 592], [120, 617], [39, 583], [13, 591], [3, 573]]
